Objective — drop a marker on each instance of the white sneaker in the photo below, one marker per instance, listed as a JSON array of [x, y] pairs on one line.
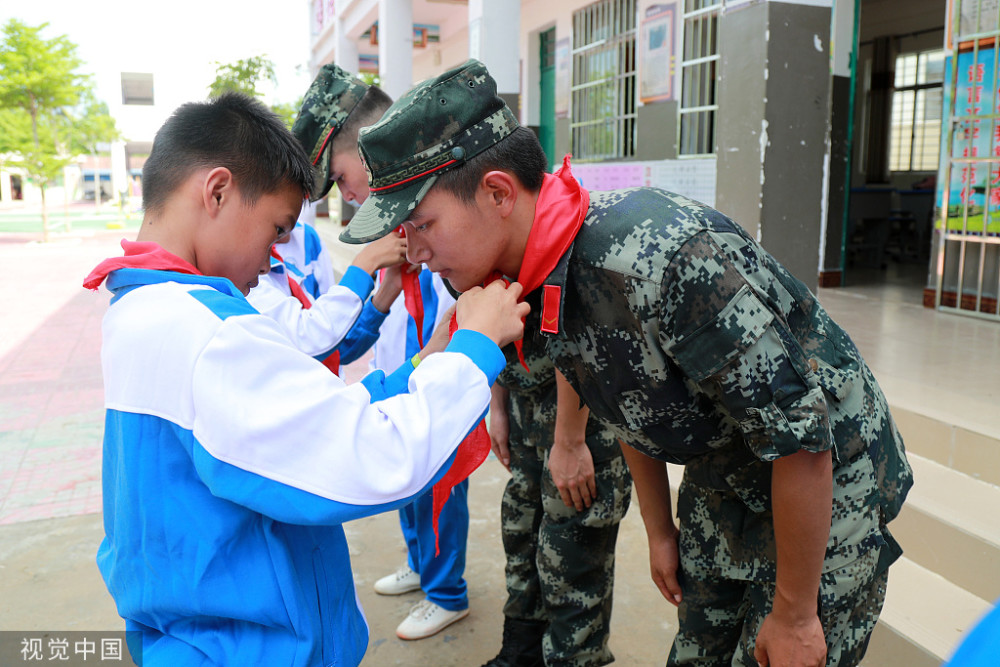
[[426, 619], [402, 581]]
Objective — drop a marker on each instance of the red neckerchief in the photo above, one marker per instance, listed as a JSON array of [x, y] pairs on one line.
[[139, 255], [332, 361], [559, 212], [412, 298], [470, 455]]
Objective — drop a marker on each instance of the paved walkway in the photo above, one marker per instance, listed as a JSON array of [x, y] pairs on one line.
[[51, 395]]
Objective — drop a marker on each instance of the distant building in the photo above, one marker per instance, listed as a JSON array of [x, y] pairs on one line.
[[743, 104]]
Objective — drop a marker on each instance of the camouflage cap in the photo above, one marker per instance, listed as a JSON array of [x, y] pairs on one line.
[[329, 101], [436, 126]]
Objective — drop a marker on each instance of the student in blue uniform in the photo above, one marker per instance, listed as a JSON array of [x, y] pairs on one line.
[[306, 256], [231, 459]]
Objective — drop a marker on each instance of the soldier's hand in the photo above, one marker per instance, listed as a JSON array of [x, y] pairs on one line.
[[664, 563], [500, 425], [572, 469], [493, 311], [790, 642]]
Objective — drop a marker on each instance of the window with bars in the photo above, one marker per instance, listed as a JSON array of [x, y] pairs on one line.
[[604, 82], [915, 128], [698, 71]]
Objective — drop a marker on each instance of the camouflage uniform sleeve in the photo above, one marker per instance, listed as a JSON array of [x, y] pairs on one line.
[[735, 349]]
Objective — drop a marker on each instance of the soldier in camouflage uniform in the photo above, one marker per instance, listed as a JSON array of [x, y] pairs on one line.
[[560, 550], [335, 108], [552, 536], [682, 332]]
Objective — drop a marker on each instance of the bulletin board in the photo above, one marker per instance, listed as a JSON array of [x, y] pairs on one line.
[[658, 53]]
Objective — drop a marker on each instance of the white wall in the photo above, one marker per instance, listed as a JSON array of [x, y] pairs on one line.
[[437, 58], [537, 16]]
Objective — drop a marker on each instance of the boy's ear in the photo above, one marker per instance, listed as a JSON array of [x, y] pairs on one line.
[[500, 190], [218, 189]]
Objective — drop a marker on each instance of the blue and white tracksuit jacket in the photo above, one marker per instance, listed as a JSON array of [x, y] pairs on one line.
[[441, 572], [307, 259], [342, 319], [223, 542]]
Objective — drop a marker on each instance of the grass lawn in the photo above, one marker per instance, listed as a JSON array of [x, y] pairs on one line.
[[75, 220]]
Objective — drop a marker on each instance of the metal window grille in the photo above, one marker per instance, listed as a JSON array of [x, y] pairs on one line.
[[915, 126], [967, 232], [604, 82], [698, 73]]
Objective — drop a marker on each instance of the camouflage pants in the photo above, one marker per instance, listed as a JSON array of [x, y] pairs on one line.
[[727, 569], [560, 562]]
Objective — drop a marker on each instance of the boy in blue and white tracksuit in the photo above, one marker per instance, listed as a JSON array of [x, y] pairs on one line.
[[231, 458], [238, 556], [439, 573], [306, 255]]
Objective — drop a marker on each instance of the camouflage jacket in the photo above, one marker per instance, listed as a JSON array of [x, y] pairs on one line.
[[681, 331]]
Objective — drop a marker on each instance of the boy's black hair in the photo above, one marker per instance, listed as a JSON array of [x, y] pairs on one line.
[[234, 131], [520, 153], [369, 111]]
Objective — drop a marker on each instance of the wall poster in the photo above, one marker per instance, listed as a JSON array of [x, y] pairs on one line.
[[658, 53], [564, 69], [974, 190]]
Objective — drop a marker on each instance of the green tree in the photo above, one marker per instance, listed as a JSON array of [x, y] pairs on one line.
[[244, 76], [370, 78], [89, 125], [14, 128], [85, 128], [287, 111], [38, 78]]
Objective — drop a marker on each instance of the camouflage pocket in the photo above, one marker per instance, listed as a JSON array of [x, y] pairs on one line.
[[713, 346], [845, 586], [855, 526], [838, 382], [639, 410]]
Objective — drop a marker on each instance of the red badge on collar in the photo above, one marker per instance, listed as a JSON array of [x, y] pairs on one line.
[[551, 295]]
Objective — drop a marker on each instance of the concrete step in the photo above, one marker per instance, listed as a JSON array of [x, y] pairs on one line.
[[949, 526], [924, 618], [966, 443]]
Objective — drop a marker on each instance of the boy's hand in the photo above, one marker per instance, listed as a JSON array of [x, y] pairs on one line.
[[381, 253], [390, 285], [439, 339], [570, 461], [494, 311]]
